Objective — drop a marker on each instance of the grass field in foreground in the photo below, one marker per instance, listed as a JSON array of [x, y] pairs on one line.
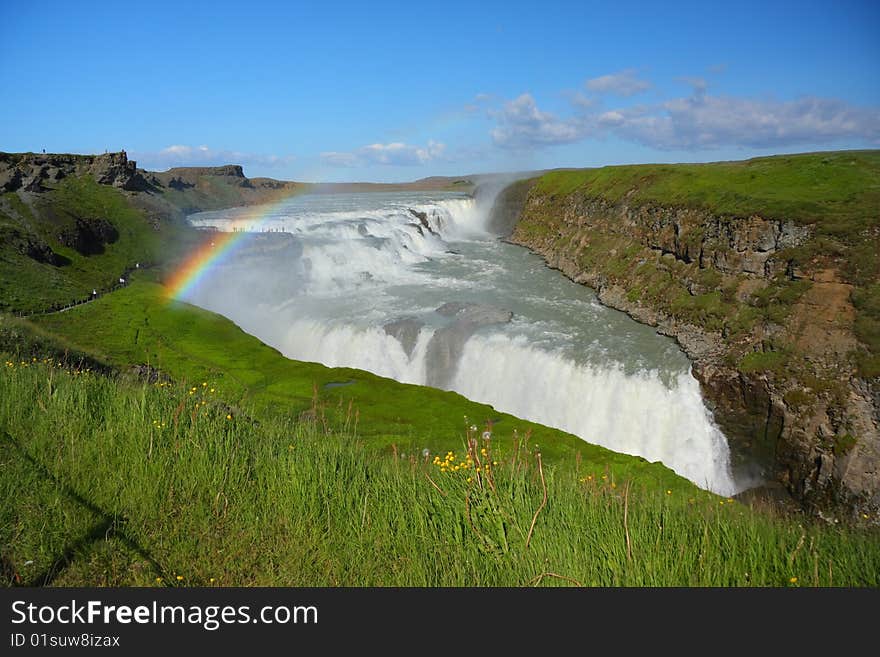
[[114, 482]]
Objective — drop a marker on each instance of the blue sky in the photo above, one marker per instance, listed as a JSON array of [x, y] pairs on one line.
[[398, 91]]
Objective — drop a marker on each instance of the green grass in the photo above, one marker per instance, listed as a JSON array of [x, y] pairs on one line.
[[760, 361], [867, 326], [839, 190], [28, 285], [107, 481]]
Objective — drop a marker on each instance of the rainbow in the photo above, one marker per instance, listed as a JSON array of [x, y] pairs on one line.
[[216, 250]]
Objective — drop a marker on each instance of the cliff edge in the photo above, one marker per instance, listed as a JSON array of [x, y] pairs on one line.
[[766, 273]]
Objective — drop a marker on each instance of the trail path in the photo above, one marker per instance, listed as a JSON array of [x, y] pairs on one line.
[[123, 278]]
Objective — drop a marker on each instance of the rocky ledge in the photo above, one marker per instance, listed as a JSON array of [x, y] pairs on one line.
[[34, 172]]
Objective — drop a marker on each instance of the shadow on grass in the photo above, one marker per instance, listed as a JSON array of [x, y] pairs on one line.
[[108, 526]]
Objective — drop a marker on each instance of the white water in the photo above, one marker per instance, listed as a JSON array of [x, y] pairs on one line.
[[350, 264]]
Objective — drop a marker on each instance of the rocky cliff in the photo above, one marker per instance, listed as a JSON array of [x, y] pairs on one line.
[[33, 172], [194, 189], [764, 308]]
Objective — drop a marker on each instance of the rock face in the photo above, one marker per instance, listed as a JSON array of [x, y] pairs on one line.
[[182, 177], [33, 172], [769, 339], [33, 247], [729, 245], [508, 207], [446, 345], [89, 236], [406, 330], [423, 221], [180, 191]]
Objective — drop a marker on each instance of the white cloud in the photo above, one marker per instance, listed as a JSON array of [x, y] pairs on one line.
[[393, 154], [178, 150], [622, 83], [337, 159], [704, 122], [611, 119], [522, 125], [581, 101], [699, 121], [179, 155], [699, 85]]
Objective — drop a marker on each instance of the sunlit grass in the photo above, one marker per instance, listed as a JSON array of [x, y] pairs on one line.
[[112, 482]]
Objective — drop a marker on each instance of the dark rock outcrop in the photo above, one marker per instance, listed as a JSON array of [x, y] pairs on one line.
[[447, 344], [35, 172], [178, 183], [406, 330], [423, 220], [10, 178], [508, 207], [33, 247], [89, 236]]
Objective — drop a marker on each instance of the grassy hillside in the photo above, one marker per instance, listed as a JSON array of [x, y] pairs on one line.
[[838, 190], [120, 483], [29, 283]]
